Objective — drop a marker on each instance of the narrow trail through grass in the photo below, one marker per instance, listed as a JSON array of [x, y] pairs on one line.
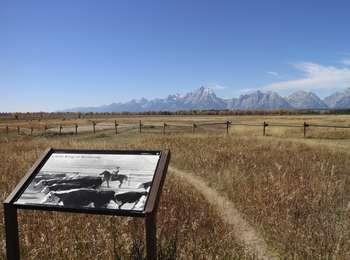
[[243, 232]]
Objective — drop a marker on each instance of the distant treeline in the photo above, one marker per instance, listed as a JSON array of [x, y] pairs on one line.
[[88, 115]]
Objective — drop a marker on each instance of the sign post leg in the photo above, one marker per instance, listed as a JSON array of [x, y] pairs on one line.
[[11, 229], [151, 237]]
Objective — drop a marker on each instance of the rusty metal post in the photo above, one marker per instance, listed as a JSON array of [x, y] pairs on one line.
[[227, 126], [31, 131], [305, 126], [60, 129], [76, 129], [18, 130], [45, 129], [264, 128], [151, 237], [93, 127], [116, 127], [164, 125], [194, 128], [11, 231], [140, 126], [7, 129]]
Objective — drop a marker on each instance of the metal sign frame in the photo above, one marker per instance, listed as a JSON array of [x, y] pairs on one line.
[[149, 213]]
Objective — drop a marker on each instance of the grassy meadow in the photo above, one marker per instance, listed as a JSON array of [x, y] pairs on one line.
[[294, 191]]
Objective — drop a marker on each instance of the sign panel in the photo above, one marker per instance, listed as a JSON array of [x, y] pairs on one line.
[[104, 182], [81, 180]]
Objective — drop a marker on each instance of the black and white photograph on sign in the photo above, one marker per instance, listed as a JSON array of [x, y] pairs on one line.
[[103, 181]]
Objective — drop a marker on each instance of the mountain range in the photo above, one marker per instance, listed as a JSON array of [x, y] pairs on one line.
[[205, 99]]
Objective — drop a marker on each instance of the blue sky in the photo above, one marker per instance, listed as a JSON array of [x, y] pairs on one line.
[[62, 54]]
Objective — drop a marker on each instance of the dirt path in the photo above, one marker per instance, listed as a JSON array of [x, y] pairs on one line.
[[243, 232]]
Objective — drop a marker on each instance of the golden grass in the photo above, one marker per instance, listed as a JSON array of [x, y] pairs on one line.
[[85, 125], [296, 194], [188, 227], [295, 191]]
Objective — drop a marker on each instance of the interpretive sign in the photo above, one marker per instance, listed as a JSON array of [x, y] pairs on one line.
[[125, 183]]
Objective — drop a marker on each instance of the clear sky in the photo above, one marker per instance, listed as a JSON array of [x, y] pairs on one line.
[[62, 54]]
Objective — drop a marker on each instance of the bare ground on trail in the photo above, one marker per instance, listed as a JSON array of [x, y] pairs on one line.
[[243, 232]]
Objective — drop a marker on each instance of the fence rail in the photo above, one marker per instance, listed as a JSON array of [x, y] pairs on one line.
[[165, 127], [330, 126]]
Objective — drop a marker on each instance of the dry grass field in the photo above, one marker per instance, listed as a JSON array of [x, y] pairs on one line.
[[292, 192]]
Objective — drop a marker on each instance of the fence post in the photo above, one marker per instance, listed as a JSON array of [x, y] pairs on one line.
[[76, 129], [305, 126], [264, 129], [151, 237], [18, 130], [164, 125], [193, 128], [116, 127], [60, 129], [7, 129], [11, 231], [140, 126], [31, 130], [93, 127], [45, 128], [227, 126]]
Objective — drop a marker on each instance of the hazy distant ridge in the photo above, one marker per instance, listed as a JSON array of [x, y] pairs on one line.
[[339, 99], [205, 99], [305, 100]]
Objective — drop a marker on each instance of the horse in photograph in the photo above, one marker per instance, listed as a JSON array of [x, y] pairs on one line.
[[129, 197], [106, 176], [119, 177], [114, 176], [81, 197]]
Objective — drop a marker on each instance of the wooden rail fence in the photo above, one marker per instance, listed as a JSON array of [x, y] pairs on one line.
[[163, 126]]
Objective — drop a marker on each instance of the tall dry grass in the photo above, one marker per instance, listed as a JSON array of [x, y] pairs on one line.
[[297, 195], [294, 191], [188, 227], [154, 125]]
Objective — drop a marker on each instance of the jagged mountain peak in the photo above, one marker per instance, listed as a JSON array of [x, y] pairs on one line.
[[174, 96], [305, 100], [340, 99], [260, 100], [201, 92], [205, 90], [204, 98], [302, 94]]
